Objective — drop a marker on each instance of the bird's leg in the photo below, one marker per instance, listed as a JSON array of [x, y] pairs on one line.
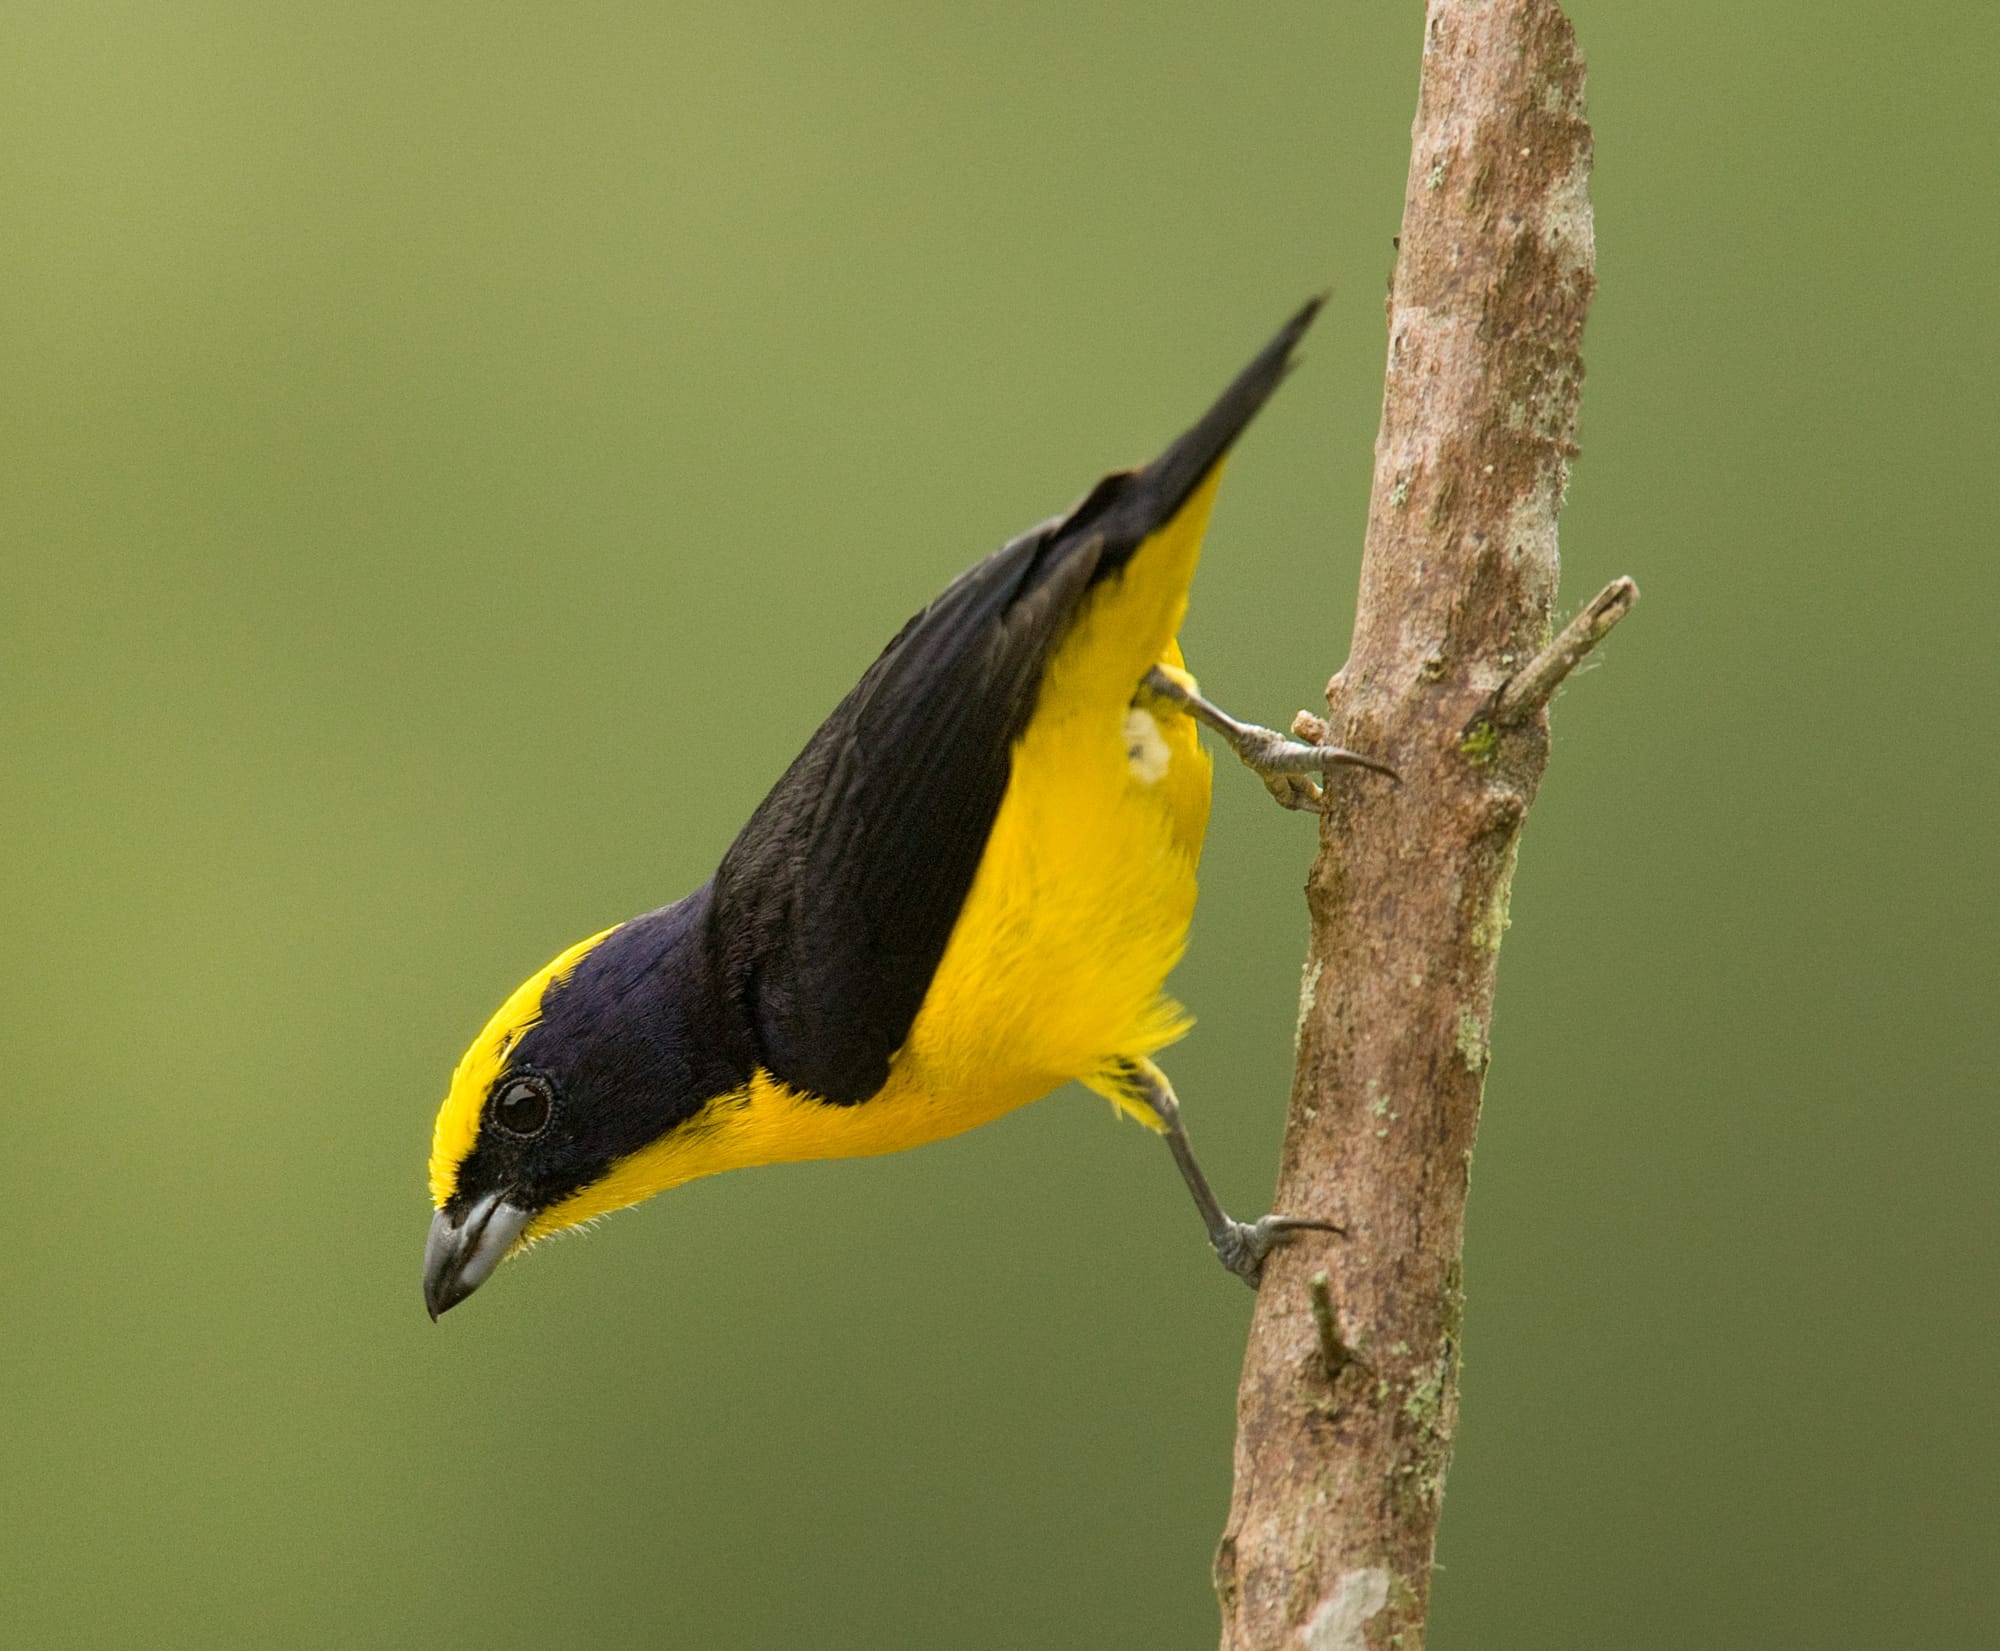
[[1286, 766], [1241, 1246]]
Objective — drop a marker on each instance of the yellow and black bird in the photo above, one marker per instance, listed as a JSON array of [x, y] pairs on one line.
[[966, 891]]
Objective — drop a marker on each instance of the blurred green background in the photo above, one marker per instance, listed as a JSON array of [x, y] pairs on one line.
[[454, 454]]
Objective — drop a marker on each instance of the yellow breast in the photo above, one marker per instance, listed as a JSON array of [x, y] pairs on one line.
[[1078, 912]]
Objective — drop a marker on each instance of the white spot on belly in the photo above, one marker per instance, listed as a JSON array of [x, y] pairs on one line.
[[1146, 752]]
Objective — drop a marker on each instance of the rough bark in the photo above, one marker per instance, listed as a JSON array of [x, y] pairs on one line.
[[1349, 1395]]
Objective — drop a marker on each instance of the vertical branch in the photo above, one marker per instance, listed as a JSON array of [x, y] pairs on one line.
[[1350, 1386]]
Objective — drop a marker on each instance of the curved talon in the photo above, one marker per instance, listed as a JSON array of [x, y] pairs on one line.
[[1242, 1246], [1271, 753]]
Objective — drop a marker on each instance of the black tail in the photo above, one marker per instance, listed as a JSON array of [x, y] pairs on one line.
[[832, 908], [1127, 507], [1183, 467]]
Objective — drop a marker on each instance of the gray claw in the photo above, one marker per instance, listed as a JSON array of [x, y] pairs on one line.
[[1285, 764], [1243, 1245], [1270, 752]]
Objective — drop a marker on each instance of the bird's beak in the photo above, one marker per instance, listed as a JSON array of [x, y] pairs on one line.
[[460, 1256]]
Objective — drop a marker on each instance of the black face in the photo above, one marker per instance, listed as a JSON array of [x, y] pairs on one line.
[[534, 1146], [523, 1148]]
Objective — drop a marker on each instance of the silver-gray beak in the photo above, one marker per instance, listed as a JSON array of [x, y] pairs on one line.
[[460, 1256]]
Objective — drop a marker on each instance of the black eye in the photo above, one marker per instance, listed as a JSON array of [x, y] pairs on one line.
[[522, 1106]]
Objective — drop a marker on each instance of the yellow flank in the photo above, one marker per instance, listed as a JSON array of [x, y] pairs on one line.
[[1079, 910], [457, 1126]]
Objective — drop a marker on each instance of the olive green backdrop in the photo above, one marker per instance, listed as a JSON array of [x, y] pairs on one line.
[[452, 456]]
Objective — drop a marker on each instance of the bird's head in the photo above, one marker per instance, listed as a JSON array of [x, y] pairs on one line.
[[509, 1149], [573, 1101]]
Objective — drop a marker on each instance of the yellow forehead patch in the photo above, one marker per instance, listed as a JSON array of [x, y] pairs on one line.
[[457, 1126]]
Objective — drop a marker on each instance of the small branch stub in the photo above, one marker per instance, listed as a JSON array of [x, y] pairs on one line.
[[1534, 685], [1334, 1354]]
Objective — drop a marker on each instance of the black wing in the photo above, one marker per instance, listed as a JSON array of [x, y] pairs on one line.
[[834, 904]]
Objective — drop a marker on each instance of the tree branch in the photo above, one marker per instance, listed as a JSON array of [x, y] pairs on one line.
[[1350, 1385], [1534, 685]]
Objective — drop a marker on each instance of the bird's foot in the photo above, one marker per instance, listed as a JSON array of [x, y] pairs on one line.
[[1286, 766], [1241, 1246]]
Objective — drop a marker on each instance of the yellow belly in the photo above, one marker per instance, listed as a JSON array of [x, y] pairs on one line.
[[1079, 910], [1081, 904]]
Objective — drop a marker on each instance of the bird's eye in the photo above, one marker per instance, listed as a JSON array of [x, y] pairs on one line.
[[522, 1106]]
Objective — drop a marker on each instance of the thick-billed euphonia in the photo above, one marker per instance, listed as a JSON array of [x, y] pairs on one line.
[[967, 890]]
